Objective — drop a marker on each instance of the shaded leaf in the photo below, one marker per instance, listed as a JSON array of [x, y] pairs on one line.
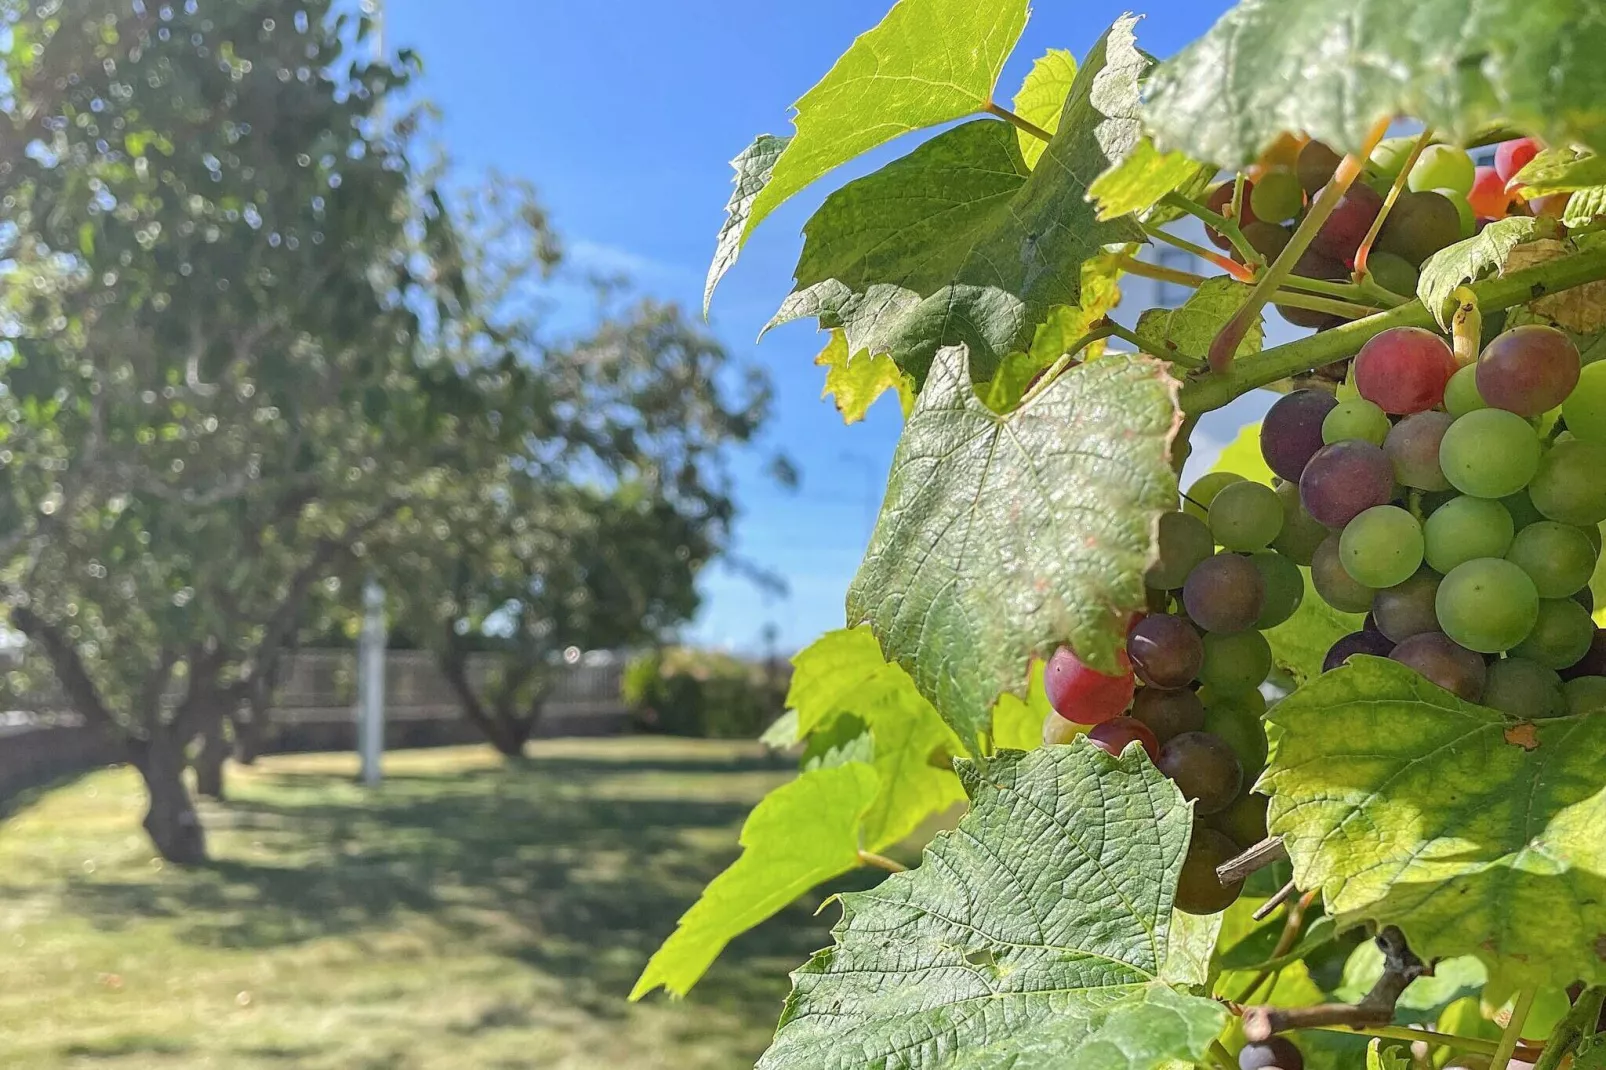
[[1064, 327], [753, 166], [855, 383], [1560, 171], [1137, 182], [1041, 99], [1185, 333], [1468, 261]]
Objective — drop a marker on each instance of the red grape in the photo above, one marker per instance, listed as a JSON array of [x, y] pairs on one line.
[[1165, 651], [1404, 370], [1291, 433], [1084, 695], [1528, 370], [1220, 202], [1345, 479], [1489, 198], [1444, 662], [1113, 735], [1512, 156], [1343, 231]]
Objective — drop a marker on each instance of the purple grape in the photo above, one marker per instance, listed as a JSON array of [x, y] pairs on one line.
[[1277, 1053], [1169, 713], [1592, 663], [1344, 480], [1362, 642], [1165, 650], [1334, 583], [1528, 370], [1291, 433], [1224, 593], [1343, 231], [1408, 609], [1454, 668]]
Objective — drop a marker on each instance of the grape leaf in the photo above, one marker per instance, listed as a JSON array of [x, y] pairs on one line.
[[1137, 182], [1185, 333], [1469, 261], [959, 243], [1042, 98], [1002, 537], [1406, 805], [1018, 722], [1033, 935], [856, 382], [1584, 207], [782, 732], [1064, 327], [800, 834], [753, 167], [1391, 1055], [927, 62], [1335, 69], [1591, 1053], [1560, 171]]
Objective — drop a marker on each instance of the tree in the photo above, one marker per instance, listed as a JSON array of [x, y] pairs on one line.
[[1201, 873]]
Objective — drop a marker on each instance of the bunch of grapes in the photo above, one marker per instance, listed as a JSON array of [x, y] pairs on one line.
[[1464, 508]]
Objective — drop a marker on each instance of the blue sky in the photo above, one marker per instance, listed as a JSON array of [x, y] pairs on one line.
[[624, 113]]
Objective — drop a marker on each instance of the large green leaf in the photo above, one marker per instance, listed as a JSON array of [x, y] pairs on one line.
[[1003, 536], [799, 835], [960, 243], [1470, 260], [1032, 936], [1042, 98], [1335, 69], [1473, 833], [753, 168], [856, 382], [928, 62]]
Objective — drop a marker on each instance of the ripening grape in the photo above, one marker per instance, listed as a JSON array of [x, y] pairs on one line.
[[1442, 167], [1388, 158], [1198, 889], [1291, 432], [1592, 663], [1463, 209], [1561, 636], [1559, 558], [1278, 1053], [1220, 202], [1205, 770], [1394, 273], [1251, 700], [1521, 508], [1316, 165], [1285, 588], [1570, 484], [1528, 370], [1301, 533], [1404, 370], [1336, 586], [1488, 198], [1512, 156], [1407, 609], [1057, 730], [1169, 713], [1443, 662], [1235, 661], [1413, 446], [1488, 605], [1083, 694], [1224, 594], [1381, 547], [1315, 265], [1361, 642], [1343, 231], [1267, 239], [1344, 480], [1246, 516], [1244, 821], [1196, 502], [1585, 410], [1356, 418], [1185, 541], [1461, 395], [1419, 225], [1113, 736], [1277, 197], [1584, 694], [1465, 528], [1523, 689], [1165, 650], [1242, 730], [1490, 453]]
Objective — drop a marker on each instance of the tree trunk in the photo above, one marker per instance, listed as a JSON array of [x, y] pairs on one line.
[[248, 725], [210, 758], [507, 735], [171, 820]]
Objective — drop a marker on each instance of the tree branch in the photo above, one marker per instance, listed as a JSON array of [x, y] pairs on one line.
[[1400, 968], [1258, 857], [69, 668]]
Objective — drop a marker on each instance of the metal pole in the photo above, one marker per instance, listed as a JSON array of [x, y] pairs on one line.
[[371, 683]]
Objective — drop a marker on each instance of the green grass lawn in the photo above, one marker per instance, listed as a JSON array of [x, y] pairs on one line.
[[467, 914]]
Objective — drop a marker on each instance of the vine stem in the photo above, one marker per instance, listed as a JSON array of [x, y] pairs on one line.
[[1388, 202], [1347, 309], [1342, 290], [1227, 228], [1225, 346], [1211, 391], [1292, 926], [1220, 1057], [1017, 121], [1513, 1031], [1579, 1023], [1145, 270], [870, 858], [1227, 264], [1428, 1036], [1133, 266]]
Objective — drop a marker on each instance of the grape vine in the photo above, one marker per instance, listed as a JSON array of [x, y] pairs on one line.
[[1340, 797]]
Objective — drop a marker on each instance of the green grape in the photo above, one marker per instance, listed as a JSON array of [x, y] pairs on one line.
[[1204, 491], [1243, 731], [1301, 533], [1356, 418], [1285, 588], [1382, 547], [1584, 694], [1392, 272], [1490, 453], [1244, 821], [1277, 197], [1198, 890], [1248, 698], [1561, 636], [1585, 409], [1523, 689], [1461, 396], [1388, 159], [1463, 208], [1570, 484], [1488, 605], [1559, 558], [1443, 167], [1184, 541], [1246, 516], [1336, 586], [1465, 528], [1236, 661], [1521, 508]]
